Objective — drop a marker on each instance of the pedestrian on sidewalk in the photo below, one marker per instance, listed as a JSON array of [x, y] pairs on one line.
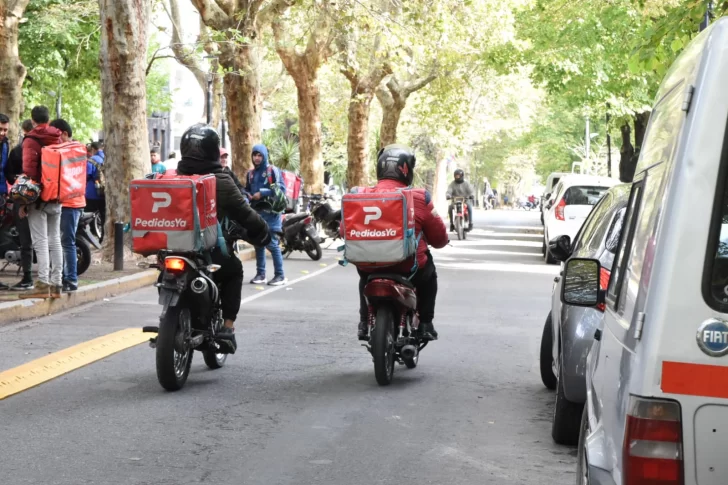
[[14, 168], [264, 185], [71, 211], [225, 162], [44, 217], [95, 198], [157, 165]]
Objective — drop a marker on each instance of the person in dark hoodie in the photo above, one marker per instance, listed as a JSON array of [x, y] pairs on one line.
[[258, 187], [14, 168], [44, 217], [200, 148]]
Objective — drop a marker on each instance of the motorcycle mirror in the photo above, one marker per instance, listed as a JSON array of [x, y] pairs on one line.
[[213, 267]]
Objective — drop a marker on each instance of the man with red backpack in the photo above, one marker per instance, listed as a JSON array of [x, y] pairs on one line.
[[395, 171], [44, 217]]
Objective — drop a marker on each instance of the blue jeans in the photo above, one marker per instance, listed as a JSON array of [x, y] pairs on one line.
[[275, 223], [275, 250], [69, 225]]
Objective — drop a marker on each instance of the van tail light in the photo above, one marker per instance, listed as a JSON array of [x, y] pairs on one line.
[[652, 453], [604, 275], [559, 210]]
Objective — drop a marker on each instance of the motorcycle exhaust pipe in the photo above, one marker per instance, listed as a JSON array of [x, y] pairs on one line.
[[408, 352], [199, 285]]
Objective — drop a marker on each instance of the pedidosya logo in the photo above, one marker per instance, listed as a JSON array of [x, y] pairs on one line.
[[372, 233], [713, 338]]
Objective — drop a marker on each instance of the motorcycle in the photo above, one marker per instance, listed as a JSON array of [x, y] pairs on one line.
[[10, 242], [324, 216], [460, 217], [299, 234], [393, 325]]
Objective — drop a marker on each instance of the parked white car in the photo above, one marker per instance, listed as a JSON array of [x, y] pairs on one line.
[[551, 182], [657, 374], [566, 211]]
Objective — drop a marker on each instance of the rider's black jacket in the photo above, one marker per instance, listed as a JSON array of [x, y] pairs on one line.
[[230, 202]]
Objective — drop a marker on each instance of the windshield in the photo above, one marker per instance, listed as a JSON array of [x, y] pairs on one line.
[[584, 195]]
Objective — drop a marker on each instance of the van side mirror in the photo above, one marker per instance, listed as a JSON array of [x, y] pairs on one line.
[[581, 283], [560, 247]]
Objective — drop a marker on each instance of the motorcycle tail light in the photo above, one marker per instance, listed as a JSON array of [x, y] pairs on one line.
[[307, 220], [174, 264]]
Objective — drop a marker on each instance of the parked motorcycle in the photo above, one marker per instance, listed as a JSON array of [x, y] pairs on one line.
[[299, 234], [393, 325], [10, 242], [325, 217], [460, 217]]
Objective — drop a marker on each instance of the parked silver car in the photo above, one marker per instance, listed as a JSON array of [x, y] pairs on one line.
[[569, 330]]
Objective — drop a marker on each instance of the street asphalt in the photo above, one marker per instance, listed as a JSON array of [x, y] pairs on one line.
[[298, 402]]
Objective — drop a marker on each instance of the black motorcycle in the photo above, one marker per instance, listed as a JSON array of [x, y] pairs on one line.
[[325, 217], [10, 242], [299, 234]]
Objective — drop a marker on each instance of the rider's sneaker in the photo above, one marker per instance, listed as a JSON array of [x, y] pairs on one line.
[[258, 280], [470, 227], [23, 285], [363, 332], [428, 331], [452, 227], [278, 281], [226, 339]]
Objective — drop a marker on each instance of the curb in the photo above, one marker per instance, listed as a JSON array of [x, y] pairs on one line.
[[21, 310]]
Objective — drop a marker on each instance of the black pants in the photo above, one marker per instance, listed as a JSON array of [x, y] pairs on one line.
[[229, 278], [470, 212], [26, 243], [425, 281]]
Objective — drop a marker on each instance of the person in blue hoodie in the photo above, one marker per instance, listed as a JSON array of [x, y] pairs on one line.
[[258, 188]]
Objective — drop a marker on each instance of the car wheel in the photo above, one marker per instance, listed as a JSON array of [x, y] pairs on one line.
[[567, 416], [546, 359], [544, 248]]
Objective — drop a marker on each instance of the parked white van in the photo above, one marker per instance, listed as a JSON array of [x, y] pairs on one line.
[[657, 373]]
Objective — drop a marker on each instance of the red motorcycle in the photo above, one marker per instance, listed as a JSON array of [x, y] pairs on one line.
[[393, 324]]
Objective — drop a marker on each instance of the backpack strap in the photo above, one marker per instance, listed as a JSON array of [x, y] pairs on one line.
[[271, 179]]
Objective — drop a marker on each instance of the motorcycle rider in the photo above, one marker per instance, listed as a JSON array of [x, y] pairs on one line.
[[460, 188], [395, 170], [200, 147]]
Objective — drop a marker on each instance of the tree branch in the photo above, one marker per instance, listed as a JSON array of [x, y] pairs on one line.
[[272, 10], [212, 14], [413, 86]]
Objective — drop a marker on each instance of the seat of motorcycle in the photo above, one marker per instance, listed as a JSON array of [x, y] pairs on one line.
[[392, 276], [295, 218]]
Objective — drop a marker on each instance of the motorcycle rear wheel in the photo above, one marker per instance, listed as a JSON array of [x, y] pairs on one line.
[[382, 342], [173, 366]]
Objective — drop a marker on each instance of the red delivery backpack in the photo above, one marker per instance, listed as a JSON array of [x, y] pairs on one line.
[[63, 172], [293, 188], [378, 226], [174, 212]]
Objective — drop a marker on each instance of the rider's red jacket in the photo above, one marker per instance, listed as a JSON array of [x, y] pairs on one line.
[[427, 222]]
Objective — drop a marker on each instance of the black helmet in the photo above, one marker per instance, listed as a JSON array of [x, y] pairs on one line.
[[459, 176], [201, 142], [396, 162]]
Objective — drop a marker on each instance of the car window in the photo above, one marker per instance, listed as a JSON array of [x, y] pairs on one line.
[[625, 242], [718, 283], [556, 181], [584, 195], [584, 240]]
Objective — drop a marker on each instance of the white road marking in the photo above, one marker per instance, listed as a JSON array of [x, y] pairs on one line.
[[277, 288]]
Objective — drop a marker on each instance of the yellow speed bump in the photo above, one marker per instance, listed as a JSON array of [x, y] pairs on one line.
[[46, 368]]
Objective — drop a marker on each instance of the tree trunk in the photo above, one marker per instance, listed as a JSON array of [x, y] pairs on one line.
[[357, 173], [640, 127], [123, 89], [244, 107], [309, 123], [626, 152], [440, 185], [390, 122], [12, 71]]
